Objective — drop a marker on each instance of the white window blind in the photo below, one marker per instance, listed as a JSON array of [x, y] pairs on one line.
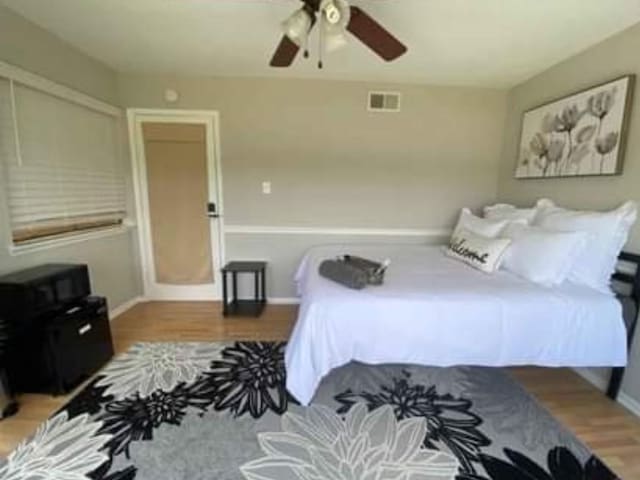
[[63, 165]]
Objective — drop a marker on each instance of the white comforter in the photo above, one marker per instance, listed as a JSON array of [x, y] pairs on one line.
[[433, 310]]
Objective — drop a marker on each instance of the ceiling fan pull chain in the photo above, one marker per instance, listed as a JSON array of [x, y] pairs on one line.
[[305, 46], [320, 40]]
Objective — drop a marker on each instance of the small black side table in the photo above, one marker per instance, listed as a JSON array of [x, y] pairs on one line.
[[244, 307]]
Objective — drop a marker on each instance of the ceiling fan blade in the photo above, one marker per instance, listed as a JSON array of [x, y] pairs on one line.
[[374, 36], [285, 53], [313, 5]]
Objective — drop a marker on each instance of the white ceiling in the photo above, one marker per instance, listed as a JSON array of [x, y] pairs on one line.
[[495, 43]]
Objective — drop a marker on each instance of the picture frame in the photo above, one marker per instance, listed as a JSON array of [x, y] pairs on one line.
[[577, 135]]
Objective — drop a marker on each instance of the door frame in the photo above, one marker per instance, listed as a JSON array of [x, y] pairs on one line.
[[211, 120]]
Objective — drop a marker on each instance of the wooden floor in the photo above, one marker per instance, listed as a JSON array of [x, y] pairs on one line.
[[608, 429]]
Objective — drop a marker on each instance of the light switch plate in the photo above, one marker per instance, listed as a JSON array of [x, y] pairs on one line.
[[266, 188]]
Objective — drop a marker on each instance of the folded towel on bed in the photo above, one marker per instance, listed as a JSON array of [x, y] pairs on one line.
[[353, 272]]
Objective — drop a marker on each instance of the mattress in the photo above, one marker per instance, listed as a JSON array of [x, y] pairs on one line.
[[434, 310]]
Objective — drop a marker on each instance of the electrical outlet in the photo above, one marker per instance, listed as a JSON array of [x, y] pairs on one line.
[[266, 188]]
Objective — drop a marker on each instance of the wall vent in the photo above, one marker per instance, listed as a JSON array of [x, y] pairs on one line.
[[384, 102]]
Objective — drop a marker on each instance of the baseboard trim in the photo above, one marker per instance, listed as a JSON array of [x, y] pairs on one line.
[[379, 232], [123, 307], [120, 309], [601, 384], [284, 301]]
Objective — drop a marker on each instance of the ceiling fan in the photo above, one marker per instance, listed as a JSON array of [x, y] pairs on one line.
[[336, 17]]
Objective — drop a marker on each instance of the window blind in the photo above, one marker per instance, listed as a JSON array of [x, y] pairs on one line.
[[63, 165]]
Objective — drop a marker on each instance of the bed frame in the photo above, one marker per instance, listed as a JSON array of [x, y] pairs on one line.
[[630, 300]]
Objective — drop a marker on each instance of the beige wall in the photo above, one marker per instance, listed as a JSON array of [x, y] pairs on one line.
[[26, 45], [612, 58], [113, 260], [334, 164]]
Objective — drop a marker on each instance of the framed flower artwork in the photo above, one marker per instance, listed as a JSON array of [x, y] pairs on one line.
[[582, 134]]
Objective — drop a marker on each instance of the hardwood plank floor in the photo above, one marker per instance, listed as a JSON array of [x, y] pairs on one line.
[[608, 429]]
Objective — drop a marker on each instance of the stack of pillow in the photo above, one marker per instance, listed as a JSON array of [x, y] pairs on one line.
[[545, 244]]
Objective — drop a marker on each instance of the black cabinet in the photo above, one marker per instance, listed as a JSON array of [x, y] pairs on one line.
[[59, 333], [77, 343]]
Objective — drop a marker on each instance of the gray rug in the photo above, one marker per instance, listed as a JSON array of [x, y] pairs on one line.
[[221, 411]]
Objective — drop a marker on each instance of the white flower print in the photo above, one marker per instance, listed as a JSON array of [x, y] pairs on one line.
[[60, 449], [148, 367], [363, 446]]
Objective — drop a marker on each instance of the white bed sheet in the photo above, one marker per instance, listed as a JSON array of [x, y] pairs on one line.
[[433, 310]]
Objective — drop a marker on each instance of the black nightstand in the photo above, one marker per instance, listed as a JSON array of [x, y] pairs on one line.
[[239, 307]]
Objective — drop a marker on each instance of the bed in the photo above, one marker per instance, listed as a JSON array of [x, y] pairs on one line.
[[433, 310]]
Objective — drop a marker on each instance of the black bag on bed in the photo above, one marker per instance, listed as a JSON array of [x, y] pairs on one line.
[[352, 272], [344, 274], [374, 270]]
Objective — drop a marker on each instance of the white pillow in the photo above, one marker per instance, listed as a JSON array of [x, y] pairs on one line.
[[479, 226], [504, 211], [542, 256], [607, 232], [480, 252]]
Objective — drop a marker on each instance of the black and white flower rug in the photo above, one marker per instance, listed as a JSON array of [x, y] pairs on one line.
[[214, 411]]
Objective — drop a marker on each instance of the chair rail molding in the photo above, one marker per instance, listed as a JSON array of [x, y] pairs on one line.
[[344, 231]]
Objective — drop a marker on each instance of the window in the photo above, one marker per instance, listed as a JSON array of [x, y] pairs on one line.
[[63, 168]]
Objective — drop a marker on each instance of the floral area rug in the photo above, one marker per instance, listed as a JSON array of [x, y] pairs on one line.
[[214, 411]]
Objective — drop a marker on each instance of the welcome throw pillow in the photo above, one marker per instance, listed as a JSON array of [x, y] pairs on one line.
[[480, 252]]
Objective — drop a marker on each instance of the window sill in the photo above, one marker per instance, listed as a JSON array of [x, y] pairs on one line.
[[15, 250]]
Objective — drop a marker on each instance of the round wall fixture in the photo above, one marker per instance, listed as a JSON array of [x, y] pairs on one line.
[[171, 96]]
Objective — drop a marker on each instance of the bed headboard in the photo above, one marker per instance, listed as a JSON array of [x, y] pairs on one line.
[[627, 275]]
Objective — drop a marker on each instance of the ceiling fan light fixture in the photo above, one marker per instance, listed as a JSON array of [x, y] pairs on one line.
[[332, 13], [297, 26], [335, 12], [336, 15], [335, 18]]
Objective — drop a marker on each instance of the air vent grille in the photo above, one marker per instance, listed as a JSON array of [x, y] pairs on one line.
[[384, 102]]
